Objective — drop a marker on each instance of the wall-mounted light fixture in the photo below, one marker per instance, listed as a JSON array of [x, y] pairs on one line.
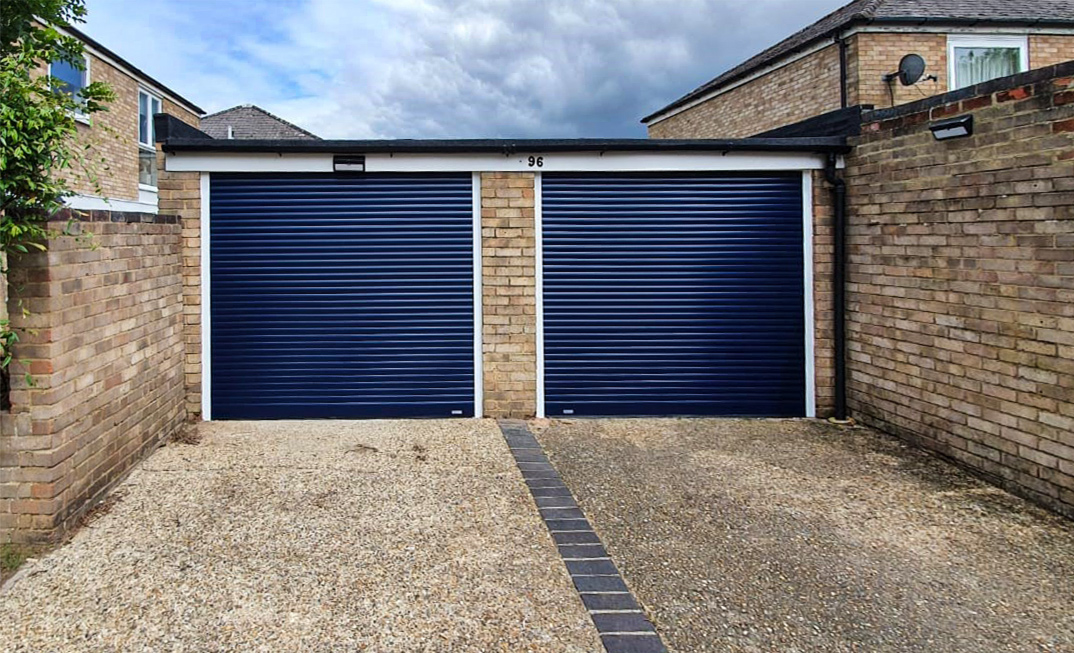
[[348, 163], [953, 128]]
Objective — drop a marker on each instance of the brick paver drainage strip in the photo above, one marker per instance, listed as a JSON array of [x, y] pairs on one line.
[[622, 625]]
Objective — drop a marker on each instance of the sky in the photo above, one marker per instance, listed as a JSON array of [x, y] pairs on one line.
[[445, 68]]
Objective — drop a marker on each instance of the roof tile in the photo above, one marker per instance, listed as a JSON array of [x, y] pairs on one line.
[[248, 121]]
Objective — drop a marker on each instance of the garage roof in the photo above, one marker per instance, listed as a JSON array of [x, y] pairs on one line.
[[177, 136], [833, 145]]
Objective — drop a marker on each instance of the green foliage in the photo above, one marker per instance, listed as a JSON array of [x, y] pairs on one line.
[[12, 556], [38, 128]]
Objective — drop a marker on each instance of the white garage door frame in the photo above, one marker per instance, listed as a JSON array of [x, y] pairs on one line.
[[206, 298], [807, 276]]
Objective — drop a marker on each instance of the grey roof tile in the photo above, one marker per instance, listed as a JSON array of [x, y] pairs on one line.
[[990, 10], [248, 122]]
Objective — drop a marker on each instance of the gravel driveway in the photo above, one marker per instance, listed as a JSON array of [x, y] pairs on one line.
[[311, 536], [796, 536]]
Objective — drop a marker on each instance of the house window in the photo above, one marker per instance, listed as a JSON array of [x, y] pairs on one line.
[[147, 149], [976, 59], [67, 78]]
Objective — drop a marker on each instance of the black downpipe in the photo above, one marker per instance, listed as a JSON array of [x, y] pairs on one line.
[[844, 101], [839, 201]]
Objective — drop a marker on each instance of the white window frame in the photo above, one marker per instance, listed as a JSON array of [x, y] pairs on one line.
[[78, 115], [983, 41], [148, 147]]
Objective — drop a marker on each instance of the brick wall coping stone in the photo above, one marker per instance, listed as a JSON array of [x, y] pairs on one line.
[[1037, 76], [129, 217]]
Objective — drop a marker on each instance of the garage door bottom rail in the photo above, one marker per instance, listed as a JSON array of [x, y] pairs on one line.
[[619, 619]]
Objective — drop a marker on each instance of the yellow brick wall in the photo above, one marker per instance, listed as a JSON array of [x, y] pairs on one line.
[[795, 92], [509, 305], [878, 54], [961, 284], [173, 109], [1045, 50], [103, 340]]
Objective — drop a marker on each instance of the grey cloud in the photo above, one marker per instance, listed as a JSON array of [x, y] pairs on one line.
[[560, 68], [447, 68]]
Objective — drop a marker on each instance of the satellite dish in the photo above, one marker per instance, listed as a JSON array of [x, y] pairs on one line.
[[911, 68]]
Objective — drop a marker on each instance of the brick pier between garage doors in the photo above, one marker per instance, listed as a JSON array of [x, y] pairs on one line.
[[505, 279]]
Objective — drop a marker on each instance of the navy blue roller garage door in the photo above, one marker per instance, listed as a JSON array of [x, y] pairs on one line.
[[336, 296], [674, 294]]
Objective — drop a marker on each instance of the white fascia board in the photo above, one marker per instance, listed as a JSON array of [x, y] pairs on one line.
[[552, 162], [594, 162], [251, 162]]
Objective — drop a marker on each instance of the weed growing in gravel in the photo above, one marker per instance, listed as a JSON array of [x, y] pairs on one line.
[[13, 555]]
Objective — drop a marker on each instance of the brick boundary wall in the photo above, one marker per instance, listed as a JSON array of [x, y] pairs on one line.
[[961, 281], [103, 342]]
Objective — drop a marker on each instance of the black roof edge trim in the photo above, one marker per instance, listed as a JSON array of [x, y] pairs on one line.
[[508, 147], [840, 122], [167, 127], [970, 22]]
